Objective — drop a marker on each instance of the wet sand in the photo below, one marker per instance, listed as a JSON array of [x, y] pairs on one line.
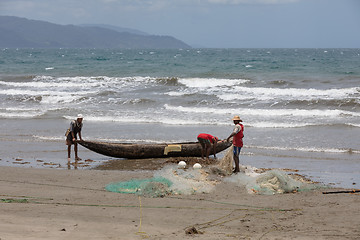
[[72, 204]]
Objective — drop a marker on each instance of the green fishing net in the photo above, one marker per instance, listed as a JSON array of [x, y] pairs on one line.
[[151, 187], [168, 180]]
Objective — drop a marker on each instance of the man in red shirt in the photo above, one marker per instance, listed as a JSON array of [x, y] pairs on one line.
[[206, 140], [237, 135]]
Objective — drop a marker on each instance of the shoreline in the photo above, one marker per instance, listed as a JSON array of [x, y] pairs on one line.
[[333, 173], [51, 204], [25, 140]]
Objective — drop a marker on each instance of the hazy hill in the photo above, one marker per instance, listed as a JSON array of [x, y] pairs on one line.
[[116, 28], [18, 32]]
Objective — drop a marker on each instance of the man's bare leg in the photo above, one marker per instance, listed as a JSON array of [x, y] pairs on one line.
[[208, 149], [69, 153], [203, 149], [76, 151], [237, 167]]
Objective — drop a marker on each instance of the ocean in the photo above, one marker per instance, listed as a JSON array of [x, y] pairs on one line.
[[300, 107]]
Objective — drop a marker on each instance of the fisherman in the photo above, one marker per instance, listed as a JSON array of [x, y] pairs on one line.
[[71, 136], [206, 141], [237, 134]]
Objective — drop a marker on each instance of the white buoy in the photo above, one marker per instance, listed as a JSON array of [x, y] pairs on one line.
[[197, 166], [181, 164]]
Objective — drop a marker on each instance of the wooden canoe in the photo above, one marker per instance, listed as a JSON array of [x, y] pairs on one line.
[[140, 151]]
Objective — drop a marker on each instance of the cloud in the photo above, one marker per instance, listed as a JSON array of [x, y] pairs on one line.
[[161, 4], [24, 6], [133, 5], [234, 2], [16, 5]]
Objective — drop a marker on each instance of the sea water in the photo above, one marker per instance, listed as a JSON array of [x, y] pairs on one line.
[[300, 107]]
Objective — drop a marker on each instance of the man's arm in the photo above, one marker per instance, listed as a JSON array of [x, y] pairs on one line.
[[236, 131], [231, 135], [80, 136], [72, 130]]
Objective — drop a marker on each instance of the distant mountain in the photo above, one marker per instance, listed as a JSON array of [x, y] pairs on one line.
[[115, 28], [18, 32]]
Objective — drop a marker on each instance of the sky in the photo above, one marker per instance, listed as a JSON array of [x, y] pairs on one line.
[[212, 23]]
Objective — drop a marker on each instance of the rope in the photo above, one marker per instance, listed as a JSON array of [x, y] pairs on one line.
[[30, 200], [243, 205], [213, 224], [142, 234], [54, 185]]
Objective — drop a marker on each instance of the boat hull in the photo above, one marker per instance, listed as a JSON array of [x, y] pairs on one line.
[[140, 151]]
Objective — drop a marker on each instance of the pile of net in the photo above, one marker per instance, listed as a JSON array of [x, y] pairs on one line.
[[226, 166], [172, 180], [269, 182], [169, 180]]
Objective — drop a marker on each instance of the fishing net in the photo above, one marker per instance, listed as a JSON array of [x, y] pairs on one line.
[[169, 180], [187, 181], [152, 187], [174, 180], [271, 182], [226, 163]]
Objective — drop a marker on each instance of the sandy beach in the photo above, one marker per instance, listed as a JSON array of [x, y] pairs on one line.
[[73, 204]]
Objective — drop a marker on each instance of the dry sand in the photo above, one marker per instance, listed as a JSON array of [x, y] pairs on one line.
[[72, 204]]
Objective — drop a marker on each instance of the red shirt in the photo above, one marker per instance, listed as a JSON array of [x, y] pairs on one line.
[[237, 139], [207, 136]]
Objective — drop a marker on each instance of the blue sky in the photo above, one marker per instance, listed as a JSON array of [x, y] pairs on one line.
[[212, 23]]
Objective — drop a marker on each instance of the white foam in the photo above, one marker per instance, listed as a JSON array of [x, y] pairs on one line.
[[195, 109], [134, 119], [210, 82], [16, 109], [20, 114], [49, 96], [353, 124], [278, 124], [48, 84], [265, 112], [122, 119], [177, 94], [47, 138], [59, 99], [81, 82], [287, 93], [13, 92], [308, 149]]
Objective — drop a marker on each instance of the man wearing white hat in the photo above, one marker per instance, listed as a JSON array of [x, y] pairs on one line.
[[237, 135], [71, 137]]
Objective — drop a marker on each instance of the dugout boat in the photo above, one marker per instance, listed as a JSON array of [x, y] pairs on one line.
[[141, 151]]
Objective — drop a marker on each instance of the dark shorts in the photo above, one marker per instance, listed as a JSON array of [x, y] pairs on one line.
[[69, 140], [203, 141], [236, 151]]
